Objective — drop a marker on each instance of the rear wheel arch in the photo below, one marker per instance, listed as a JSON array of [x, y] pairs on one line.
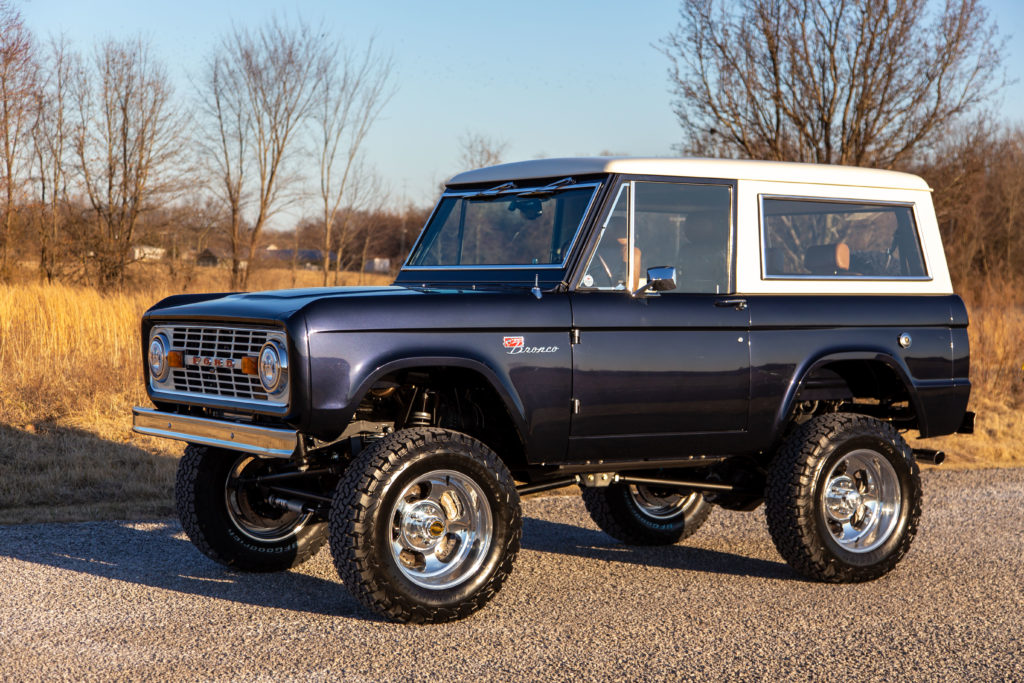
[[849, 375]]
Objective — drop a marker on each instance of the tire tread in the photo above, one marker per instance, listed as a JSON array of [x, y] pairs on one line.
[[789, 504], [351, 520]]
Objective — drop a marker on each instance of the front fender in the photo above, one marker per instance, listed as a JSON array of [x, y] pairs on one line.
[[534, 387]]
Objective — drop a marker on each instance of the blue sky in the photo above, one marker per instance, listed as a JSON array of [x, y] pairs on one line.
[[549, 78]]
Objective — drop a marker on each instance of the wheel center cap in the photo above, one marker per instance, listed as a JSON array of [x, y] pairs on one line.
[[423, 525], [842, 499]]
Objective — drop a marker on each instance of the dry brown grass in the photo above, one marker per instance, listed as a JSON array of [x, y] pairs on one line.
[[70, 371], [997, 377]]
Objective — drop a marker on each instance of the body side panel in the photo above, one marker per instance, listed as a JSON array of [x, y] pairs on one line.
[[791, 335]]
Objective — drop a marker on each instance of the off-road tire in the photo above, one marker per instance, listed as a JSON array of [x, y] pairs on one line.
[[200, 499], [360, 531], [794, 506], [616, 513]]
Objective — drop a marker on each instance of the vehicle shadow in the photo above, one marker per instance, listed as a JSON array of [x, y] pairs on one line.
[[54, 472], [155, 554], [564, 539]]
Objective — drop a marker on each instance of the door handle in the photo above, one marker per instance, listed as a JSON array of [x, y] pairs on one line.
[[738, 304]]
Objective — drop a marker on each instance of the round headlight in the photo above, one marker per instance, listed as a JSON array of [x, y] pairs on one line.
[[273, 367], [158, 366]]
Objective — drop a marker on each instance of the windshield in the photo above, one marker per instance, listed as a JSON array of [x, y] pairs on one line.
[[516, 227]]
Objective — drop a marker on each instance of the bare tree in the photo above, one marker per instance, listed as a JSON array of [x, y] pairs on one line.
[[225, 139], [479, 150], [51, 131], [367, 195], [372, 229], [978, 173], [354, 91], [18, 71], [127, 145], [260, 88], [857, 82]]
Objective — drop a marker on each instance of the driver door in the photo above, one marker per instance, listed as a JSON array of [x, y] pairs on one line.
[[663, 375]]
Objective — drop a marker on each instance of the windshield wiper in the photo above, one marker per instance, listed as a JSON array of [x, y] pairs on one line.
[[492, 192], [547, 189]]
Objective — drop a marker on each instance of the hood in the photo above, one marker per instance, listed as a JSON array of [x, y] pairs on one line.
[[352, 309], [256, 306]]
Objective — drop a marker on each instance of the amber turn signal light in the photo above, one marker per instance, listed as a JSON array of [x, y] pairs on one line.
[[175, 359], [249, 365]]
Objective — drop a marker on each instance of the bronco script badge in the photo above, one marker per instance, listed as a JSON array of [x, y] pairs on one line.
[[517, 345]]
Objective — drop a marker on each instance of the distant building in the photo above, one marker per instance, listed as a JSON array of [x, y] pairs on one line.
[[148, 253], [207, 258], [377, 265], [304, 257]]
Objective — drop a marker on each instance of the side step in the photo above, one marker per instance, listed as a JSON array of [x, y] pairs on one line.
[[603, 479]]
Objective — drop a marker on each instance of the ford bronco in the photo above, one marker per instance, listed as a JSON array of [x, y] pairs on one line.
[[669, 334]]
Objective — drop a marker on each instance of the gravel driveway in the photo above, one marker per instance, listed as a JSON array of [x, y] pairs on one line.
[[134, 600]]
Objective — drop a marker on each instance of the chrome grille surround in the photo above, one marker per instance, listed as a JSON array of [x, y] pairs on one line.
[[223, 347]]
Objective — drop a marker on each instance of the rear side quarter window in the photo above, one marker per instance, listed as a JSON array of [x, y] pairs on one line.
[[838, 239]]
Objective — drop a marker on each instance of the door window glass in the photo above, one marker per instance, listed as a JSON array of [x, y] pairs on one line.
[[687, 227]]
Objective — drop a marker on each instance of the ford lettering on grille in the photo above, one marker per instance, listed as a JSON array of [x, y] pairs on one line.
[[212, 362]]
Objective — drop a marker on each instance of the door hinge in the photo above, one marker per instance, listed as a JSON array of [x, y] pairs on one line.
[[574, 336], [575, 406]]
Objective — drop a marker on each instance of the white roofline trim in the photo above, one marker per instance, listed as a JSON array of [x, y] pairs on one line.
[[686, 167]]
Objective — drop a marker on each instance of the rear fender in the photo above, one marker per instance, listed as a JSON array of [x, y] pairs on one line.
[[872, 355]]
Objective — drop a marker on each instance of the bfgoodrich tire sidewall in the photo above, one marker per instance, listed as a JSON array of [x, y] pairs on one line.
[[202, 509]]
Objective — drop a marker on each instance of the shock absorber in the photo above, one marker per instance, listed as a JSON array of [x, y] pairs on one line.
[[420, 412]]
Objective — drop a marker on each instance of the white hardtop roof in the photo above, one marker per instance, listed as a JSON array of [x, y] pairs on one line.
[[687, 167]]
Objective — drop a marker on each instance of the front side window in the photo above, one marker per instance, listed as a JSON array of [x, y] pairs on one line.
[[833, 239], [609, 266], [517, 227], [685, 226]]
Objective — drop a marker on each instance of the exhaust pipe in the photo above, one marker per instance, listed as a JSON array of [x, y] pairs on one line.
[[932, 457]]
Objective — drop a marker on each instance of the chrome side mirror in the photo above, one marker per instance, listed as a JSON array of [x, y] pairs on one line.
[[659, 279]]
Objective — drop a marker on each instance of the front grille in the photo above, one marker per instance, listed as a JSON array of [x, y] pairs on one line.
[[218, 343]]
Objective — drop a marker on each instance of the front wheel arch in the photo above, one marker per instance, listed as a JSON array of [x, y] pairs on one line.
[[502, 387], [506, 428]]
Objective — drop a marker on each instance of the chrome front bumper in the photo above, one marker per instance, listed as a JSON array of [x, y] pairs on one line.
[[237, 436]]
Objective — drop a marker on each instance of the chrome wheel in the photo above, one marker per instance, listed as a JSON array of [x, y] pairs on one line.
[[249, 510], [441, 529], [662, 504], [861, 501]]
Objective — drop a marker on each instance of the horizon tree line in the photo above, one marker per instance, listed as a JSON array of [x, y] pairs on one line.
[[96, 146], [97, 150]]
